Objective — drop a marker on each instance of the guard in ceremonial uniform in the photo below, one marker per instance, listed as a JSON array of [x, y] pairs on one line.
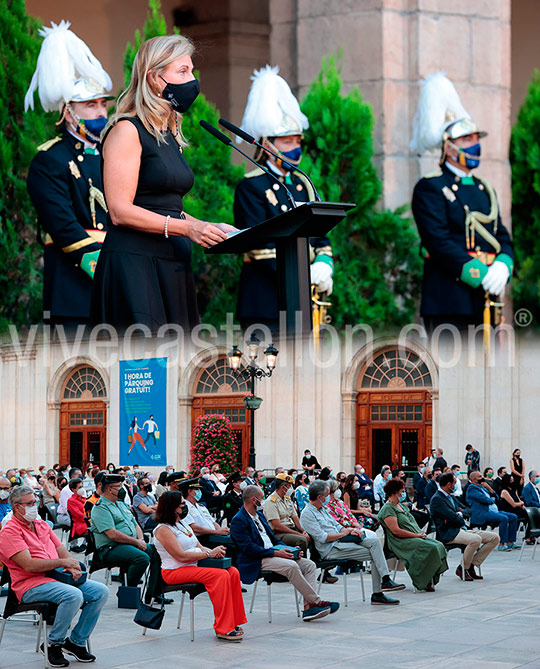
[[273, 115], [64, 180], [469, 256], [280, 512]]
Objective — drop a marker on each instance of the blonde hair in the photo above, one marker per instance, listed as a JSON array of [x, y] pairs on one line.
[[138, 99]]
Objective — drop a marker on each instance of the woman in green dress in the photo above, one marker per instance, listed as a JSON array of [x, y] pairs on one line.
[[424, 559]]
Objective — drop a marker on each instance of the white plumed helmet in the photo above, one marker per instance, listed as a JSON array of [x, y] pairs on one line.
[[66, 71]]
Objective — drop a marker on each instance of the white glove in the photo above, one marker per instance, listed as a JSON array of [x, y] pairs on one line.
[[321, 276], [496, 278], [326, 286]]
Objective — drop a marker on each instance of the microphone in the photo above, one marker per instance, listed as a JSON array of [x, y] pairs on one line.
[[225, 140], [251, 140]]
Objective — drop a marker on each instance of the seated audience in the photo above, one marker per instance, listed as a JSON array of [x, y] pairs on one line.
[[5, 506], [328, 536], [145, 505], [497, 482], [180, 552], [511, 502], [280, 512], [489, 473], [451, 529], [260, 479], [484, 511], [119, 539], [432, 485], [531, 494], [62, 516], [379, 483], [88, 481], [424, 558], [277, 470], [365, 491], [301, 494], [29, 548], [211, 493], [50, 493], [232, 499], [250, 476], [218, 478], [208, 532], [75, 505], [325, 474], [359, 508], [161, 486], [256, 550], [420, 488], [458, 490]]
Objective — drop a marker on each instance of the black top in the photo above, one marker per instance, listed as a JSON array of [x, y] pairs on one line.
[[59, 184], [438, 206], [311, 460]]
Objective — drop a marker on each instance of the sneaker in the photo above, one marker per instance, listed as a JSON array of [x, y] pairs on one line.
[[505, 547], [389, 585], [334, 606], [314, 612], [516, 546], [380, 599], [80, 653], [54, 655]]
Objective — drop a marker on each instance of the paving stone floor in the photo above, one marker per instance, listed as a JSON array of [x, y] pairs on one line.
[[490, 623]]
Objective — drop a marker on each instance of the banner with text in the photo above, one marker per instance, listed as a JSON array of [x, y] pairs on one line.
[[143, 412]]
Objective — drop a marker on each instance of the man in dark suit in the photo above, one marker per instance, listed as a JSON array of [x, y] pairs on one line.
[[420, 487], [433, 485], [211, 494], [451, 528], [259, 549], [530, 494]]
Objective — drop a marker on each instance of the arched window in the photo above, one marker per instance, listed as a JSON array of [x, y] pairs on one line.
[[395, 369], [218, 379], [84, 383]]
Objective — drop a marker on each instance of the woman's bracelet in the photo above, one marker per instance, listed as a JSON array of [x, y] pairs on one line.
[[166, 231]]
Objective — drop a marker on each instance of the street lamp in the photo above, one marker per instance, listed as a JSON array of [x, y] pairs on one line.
[[249, 373]]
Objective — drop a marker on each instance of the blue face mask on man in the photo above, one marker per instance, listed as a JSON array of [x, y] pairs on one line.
[[198, 495], [94, 125], [469, 156], [294, 154]]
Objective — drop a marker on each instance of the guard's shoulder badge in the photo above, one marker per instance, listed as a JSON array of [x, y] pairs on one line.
[[432, 175], [47, 145], [272, 498], [254, 173]]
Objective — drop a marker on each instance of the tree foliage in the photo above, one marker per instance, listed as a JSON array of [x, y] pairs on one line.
[[377, 265], [525, 162], [20, 254]]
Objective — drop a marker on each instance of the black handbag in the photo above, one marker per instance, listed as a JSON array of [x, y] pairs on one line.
[[149, 617]]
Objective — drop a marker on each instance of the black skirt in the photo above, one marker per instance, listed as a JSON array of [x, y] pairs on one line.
[[146, 279]]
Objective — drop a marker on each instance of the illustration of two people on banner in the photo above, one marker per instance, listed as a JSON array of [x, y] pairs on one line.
[[134, 434]]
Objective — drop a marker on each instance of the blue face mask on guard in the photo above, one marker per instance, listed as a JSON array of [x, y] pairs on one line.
[[468, 157], [295, 154], [198, 495], [94, 125]]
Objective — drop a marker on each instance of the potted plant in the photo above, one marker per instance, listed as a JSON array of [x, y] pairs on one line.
[[251, 401]]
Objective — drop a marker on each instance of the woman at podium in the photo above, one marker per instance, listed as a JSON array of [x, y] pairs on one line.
[[273, 114], [144, 271]]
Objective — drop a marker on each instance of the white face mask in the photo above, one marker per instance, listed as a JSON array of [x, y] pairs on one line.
[[337, 494], [243, 485], [4, 494], [81, 492], [290, 491], [362, 470], [30, 513], [356, 485], [206, 476]]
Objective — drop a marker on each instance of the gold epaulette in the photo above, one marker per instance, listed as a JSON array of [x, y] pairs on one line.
[[254, 173], [47, 145], [272, 498], [435, 173]]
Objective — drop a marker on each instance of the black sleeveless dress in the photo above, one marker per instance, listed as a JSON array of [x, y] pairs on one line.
[[143, 277]]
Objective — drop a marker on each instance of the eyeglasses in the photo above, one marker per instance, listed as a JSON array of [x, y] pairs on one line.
[[27, 504]]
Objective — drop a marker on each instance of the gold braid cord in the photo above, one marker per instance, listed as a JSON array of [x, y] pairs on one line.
[[475, 222], [95, 194]]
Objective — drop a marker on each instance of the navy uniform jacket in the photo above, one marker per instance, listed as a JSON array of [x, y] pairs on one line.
[[58, 184], [452, 279], [257, 198]]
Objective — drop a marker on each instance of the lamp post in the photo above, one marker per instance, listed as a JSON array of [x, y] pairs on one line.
[[249, 373]]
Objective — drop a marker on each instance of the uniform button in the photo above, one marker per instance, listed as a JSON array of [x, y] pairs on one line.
[[299, 187], [100, 226], [275, 186], [454, 187], [481, 186], [284, 207], [80, 158], [78, 145]]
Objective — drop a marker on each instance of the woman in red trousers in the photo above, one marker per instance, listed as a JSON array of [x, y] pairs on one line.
[[180, 551]]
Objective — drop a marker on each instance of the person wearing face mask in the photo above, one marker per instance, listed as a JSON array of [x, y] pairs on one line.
[[424, 558], [273, 116], [145, 505], [232, 499], [301, 487], [5, 506], [379, 483], [469, 257], [333, 541], [64, 180], [144, 272], [432, 485], [79, 524], [120, 540], [344, 515], [448, 517], [280, 512], [29, 549], [365, 491], [530, 494]]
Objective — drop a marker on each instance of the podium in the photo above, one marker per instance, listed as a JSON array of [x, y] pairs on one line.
[[290, 233]]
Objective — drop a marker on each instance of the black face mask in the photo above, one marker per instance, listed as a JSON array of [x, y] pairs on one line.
[[181, 96], [121, 494], [148, 487], [184, 512]]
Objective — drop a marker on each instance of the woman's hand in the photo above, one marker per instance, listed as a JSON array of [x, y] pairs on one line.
[[422, 535], [218, 552], [206, 234], [225, 227]]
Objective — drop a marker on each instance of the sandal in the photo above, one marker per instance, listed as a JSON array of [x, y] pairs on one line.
[[231, 636], [239, 629]]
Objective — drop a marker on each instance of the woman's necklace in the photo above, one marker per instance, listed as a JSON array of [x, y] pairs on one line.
[[184, 529]]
